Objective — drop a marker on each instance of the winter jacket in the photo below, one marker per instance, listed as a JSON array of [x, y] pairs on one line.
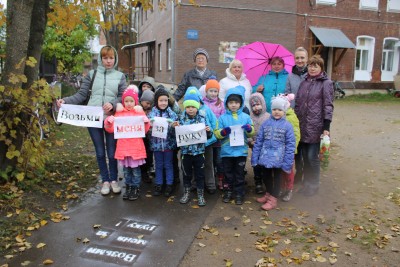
[[294, 121], [211, 119], [258, 119], [149, 80], [108, 86], [192, 78], [275, 145], [161, 144], [274, 84], [195, 149], [293, 82], [231, 119], [314, 107], [129, 147], [218, 110], [230, 81]]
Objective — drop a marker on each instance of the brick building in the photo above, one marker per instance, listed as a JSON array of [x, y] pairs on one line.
[[359, 39]]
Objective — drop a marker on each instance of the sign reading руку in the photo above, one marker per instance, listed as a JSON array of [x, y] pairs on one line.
[[191, 134]]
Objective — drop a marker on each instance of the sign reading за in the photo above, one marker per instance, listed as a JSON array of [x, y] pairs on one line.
[[191, 134], [83, 116]]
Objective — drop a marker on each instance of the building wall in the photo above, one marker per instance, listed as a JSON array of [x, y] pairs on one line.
[[353, 22]]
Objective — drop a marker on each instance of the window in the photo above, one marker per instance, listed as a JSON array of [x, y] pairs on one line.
[[369, 4], [388, 54], [326, 2], [169, 63], [393, 6], [142, 63], [141, 15], [364, 58], [159, 58]]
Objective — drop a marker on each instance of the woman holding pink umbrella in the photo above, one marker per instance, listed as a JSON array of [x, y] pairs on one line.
[[273, 83]]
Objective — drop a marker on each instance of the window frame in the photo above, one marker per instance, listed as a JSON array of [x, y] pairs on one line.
[[367, 5], [159, 57], [168, 54]]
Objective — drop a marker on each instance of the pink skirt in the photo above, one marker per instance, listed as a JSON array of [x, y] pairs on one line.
[[130, 162]]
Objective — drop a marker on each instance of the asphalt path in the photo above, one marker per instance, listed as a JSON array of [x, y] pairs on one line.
[[109, 231]]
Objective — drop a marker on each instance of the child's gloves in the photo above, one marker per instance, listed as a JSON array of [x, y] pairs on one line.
[[247, 128], [226, 131], [110, 119]]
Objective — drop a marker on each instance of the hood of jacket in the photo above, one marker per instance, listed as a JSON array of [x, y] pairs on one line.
[[238, 90], [100, 62], [233, 77], [149, 80], [258, 119]]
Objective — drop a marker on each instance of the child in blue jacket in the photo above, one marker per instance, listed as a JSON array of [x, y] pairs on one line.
[[234, 157], [193, 156], [274, 151]]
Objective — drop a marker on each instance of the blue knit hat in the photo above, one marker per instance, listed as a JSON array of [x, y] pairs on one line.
[[191, 99]]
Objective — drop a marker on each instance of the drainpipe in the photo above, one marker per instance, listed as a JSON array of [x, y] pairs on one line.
[[173, 43]]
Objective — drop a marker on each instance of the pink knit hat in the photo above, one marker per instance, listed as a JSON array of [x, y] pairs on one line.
[[131, 93]]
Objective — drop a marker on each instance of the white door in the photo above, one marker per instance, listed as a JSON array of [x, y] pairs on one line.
[[390, 59], [364, 58]]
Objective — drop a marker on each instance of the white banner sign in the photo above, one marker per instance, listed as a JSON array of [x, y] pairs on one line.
[[84, 116], [236, 138], [129, 127], [191, 134], [160, 127]]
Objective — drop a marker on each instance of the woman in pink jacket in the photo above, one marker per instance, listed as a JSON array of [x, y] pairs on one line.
[[130, 152]]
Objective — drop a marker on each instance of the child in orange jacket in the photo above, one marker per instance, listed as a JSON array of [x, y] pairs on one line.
[[130, 152]]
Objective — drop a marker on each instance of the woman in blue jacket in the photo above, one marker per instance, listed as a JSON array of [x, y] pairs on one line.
[[274, 83]]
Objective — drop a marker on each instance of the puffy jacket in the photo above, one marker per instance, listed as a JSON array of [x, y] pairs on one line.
[[293, 82], [274, 84], [231, 81], [192, 78], [258, 119], [161, 144], [195, 149], [314, 107], [108, 86], [129, 147], [294, 121], [218, 110], [275, 145], [231, 119]]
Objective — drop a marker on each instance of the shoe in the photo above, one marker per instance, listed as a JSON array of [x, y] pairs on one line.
[[134, 194], [264, 198], [309, 191], [168, 190], [239, 200], [116, 189], [157, 190], [227, 197], [186, 196], [287, 196], [105, 189], [220, 177], [128, 190], [211, 191], [200, 198], [272, 203], [259, 188]]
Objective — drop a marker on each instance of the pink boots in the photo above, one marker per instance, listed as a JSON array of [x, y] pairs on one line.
[[269, 201]]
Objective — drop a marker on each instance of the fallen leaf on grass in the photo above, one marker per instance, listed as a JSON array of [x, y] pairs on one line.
[[201, 245], [96, 226], [85, 241], [347, 253], [40, 245], [195, 207], [319, 258], [9, 257], [238, 250], [228, 263], [214, 253], [48, 262], [287, 241], [286, 252], [236, 235], [333, 244], [227, 218], [25, 263], [170, 241]]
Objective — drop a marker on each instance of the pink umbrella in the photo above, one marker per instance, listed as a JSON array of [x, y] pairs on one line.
[[256, 59]]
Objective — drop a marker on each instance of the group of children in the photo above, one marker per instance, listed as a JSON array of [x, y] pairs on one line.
[[220, 161]]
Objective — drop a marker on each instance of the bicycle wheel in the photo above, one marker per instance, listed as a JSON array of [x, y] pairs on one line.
[[44, 127], [54, 112]]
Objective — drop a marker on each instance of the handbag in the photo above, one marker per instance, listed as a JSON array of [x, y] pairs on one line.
[[90, 89]]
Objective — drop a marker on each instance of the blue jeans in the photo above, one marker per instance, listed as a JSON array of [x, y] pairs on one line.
[[311, 170], [164, 160], [133, 176], [98, 135]]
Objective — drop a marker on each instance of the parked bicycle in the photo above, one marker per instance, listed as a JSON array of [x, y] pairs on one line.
[[56, 89], [393, 92], [338, 91]]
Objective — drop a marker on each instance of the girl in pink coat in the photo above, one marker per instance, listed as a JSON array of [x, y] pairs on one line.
[[130, 152]]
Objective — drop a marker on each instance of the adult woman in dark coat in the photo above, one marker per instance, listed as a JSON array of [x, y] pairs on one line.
[[314, 108]]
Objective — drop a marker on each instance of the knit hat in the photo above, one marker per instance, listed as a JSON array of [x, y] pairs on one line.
[[160, 92], [148, 95], [133, 87], [279, 102], [131, 93], [212, 84], [234, 97], [191, 99], [200, 51]]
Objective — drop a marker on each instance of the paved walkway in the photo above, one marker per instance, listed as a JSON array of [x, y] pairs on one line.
[[148, 232]]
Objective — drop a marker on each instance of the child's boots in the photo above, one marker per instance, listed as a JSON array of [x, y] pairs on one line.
[[186, 195], [264, 198], [258, 184], [200, 197], [128, 190], [272, 203]]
